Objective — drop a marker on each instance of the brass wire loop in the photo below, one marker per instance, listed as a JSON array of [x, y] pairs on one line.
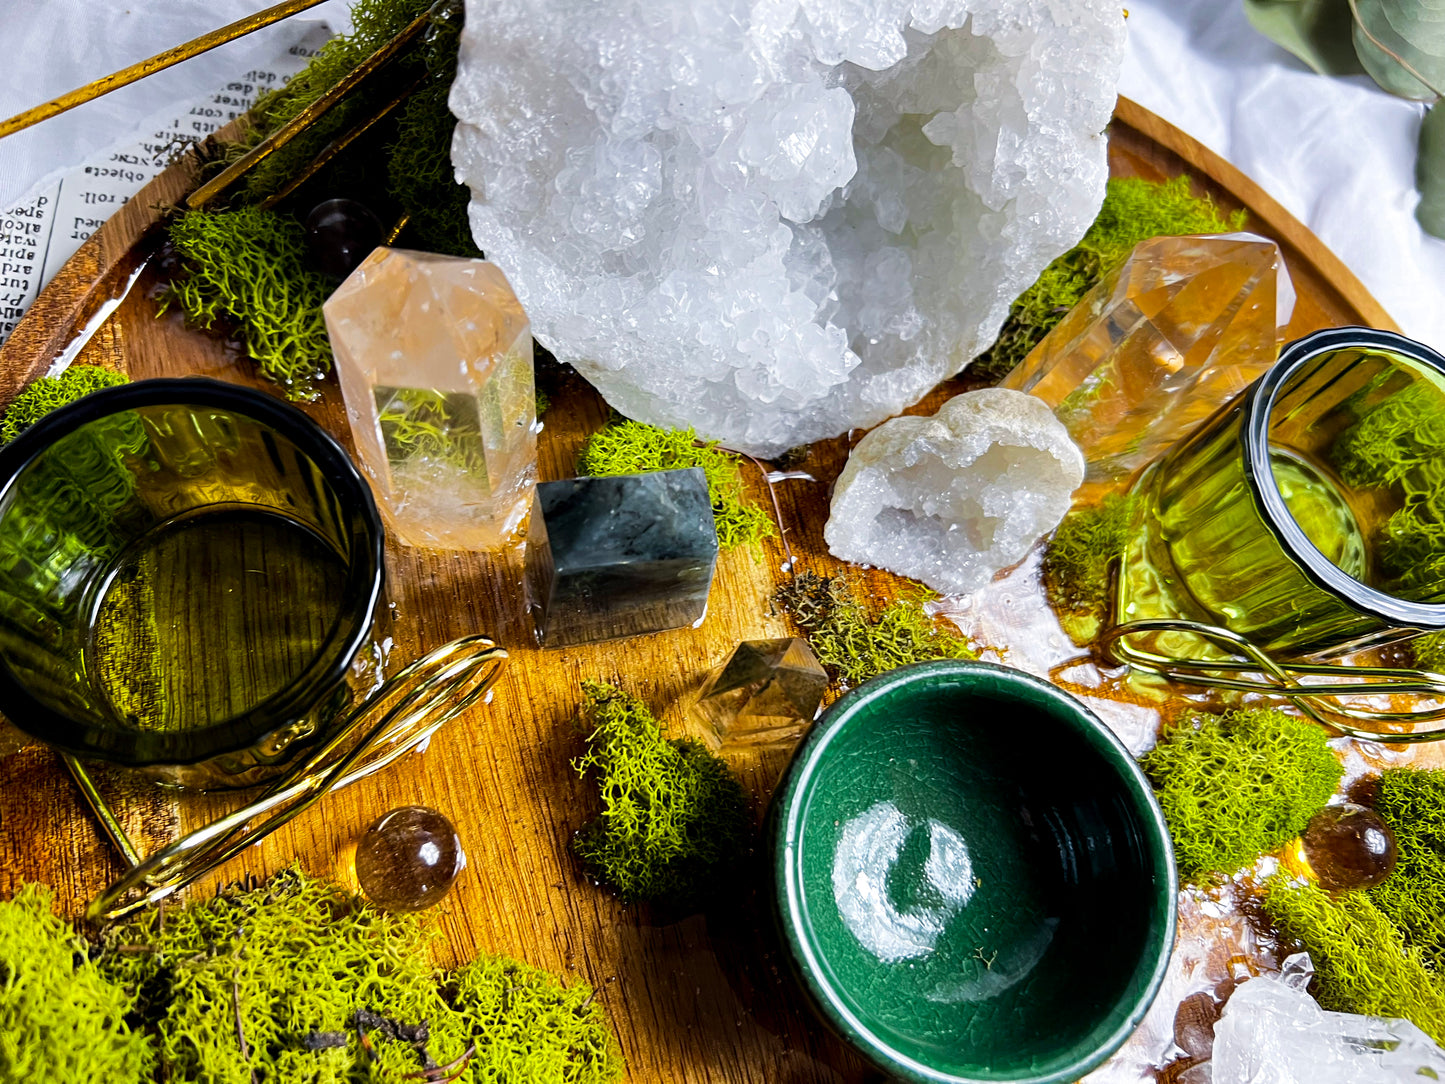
[[405, 711]]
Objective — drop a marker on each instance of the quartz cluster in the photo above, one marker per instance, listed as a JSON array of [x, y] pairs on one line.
[[954, 498], [775, 220]]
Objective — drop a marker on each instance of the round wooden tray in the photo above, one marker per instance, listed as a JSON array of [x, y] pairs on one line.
[[698, 999]]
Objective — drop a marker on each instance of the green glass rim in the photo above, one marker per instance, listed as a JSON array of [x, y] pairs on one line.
[[1259, 403], [785, 829], [365, 578]]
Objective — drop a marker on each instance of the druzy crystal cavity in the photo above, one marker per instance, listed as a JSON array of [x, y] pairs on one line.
[[1180, 328], [952, 499], [775, 221], [764, 696], [434, 357], [621, 556]]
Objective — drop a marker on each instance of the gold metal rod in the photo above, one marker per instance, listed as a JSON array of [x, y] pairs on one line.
[[103, 813], [303, 120], [337, 145], [106, 83], [396, 228]]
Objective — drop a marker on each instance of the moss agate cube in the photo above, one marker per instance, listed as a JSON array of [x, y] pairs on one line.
[[620, 556]]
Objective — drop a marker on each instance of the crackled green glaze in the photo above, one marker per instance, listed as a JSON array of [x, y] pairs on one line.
[[973, 877]]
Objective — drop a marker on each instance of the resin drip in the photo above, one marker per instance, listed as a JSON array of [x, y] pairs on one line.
[[209, 616]]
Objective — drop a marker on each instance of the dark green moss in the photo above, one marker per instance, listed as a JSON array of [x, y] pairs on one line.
[[1236, 785], [855, 644], [1134, 210], [674, 820]]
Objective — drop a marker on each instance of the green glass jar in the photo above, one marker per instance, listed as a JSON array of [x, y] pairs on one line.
[[1307, 515], [187, 569]]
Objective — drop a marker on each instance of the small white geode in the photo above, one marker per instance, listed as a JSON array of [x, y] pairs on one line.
[[776, 220], [952, 499]]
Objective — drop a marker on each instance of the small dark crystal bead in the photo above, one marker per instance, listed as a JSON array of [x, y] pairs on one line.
[[340, 233], [408, 859], [1349, 847]]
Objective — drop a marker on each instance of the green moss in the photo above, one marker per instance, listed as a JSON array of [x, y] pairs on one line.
[[1412, 802], [855, 644], [1076, 561], [61, 1019], [1429, 651], [1134, 210], [673, 819], [279, 983], [1361, 963], [40, 397], [440, 427], [374, 23], [1400, 443], [631, 448], [1236, 785], [248, 266]]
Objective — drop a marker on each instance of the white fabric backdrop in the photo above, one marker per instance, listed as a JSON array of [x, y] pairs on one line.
[[1338, 153]]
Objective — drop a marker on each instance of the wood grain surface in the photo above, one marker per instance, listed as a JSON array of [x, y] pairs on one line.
[[698, 998]]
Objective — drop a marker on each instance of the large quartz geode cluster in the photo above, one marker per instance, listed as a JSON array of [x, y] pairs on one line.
[[775, 220]]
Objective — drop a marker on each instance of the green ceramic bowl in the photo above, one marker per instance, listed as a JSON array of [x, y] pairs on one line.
[[973, 878]]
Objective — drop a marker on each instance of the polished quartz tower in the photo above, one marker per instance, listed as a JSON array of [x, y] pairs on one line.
[[434, 356], [764, 696], [620, 556]]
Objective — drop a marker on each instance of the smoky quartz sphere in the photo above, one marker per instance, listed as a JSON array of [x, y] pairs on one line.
[[408, 859], [1348, 847]]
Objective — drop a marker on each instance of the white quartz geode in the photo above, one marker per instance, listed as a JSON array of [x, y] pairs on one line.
[[952, 499], [775, 220]]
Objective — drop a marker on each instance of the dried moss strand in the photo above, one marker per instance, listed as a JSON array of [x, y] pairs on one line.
[[852, 643]]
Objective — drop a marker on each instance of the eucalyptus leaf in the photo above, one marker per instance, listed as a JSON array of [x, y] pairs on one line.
[[1316, 31], [1430, 173], [1412, 29]]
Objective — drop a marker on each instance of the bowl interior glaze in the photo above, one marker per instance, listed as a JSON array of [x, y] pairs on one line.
[[973, 877]]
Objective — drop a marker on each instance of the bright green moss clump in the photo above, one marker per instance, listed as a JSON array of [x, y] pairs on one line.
[[1134, 210], [40, 397], [1412, 802], [1361, 963], [281, 982], [673, 817], [1236, 785], [856, 645], [632, 448], [61, 1019], [248, 266]]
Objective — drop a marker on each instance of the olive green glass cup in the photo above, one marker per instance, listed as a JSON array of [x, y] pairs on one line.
[[972, 879], [187, 569], [1308, 514]]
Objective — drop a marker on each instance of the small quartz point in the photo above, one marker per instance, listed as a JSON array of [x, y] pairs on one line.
[[765, 695], [434, 356], [408, 859], [1181, 327], [1349, 847], [620, 556], [952, 499], [1273, 1032]]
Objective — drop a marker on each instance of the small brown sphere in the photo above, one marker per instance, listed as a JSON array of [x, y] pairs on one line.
[[1349, 847], [408, 859]]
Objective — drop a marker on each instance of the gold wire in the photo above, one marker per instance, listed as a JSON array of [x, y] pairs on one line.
[[106, 83]]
